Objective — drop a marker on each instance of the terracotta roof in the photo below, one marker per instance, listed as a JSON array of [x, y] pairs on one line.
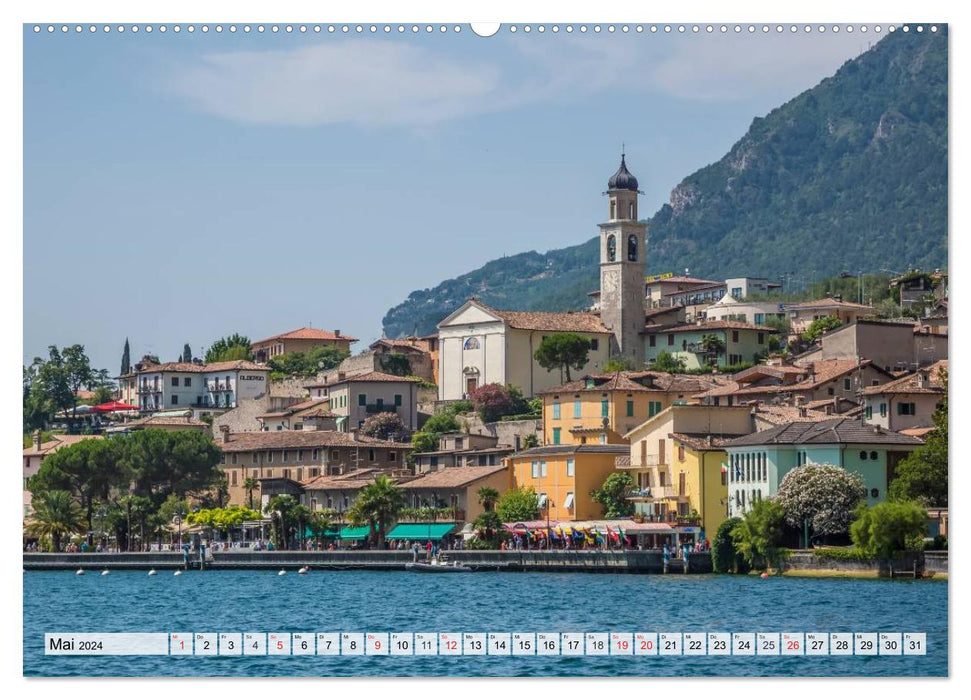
[[918, 432], [355, 479], [55, 444], [294, 408], [631, 381], [375, 377], [576, 321], [777, 371], [817, 374], [827, 432], [452, 477], [179, 421], [306, 334], [911, 384], [715, 326], [700, 442], [227, 366], [286, 439], [778, 415], [827, 303], [402, 343]]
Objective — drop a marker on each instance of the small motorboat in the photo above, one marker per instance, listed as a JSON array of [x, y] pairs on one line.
[[437, 566]]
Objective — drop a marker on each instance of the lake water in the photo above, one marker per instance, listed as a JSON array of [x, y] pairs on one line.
[[373, 601]]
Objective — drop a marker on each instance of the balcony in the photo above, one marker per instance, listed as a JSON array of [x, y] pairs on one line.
[[646, 462], [380, 408], [149, 389], [656, 493], [219, 386]]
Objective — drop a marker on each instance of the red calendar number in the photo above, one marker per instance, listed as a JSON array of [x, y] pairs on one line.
[[792, 645], [451, 646], [647, 644]]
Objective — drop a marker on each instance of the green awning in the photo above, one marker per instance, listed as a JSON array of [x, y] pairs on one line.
[[330, 533], [355, 533], [420, 531]]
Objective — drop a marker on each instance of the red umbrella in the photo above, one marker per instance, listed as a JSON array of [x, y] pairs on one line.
[[113, 406]]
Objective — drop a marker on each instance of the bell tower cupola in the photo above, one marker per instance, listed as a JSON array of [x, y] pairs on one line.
[[622, 252]]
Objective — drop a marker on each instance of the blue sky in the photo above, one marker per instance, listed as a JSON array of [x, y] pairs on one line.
[[178, 188]]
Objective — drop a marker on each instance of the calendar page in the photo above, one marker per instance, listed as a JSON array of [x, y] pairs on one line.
[[438, 349]]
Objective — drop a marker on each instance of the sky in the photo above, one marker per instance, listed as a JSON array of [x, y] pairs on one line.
[[179, 188]]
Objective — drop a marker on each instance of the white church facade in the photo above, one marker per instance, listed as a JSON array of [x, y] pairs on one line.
[[480, 345]]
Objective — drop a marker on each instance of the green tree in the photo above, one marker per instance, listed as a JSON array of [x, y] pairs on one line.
[[281, 510], [666, 362], [563, 351], [922, 476], [713, 347], [822, 494], [441, 422], [820, 326], [488, 497], [487, 526], [186, 353], [424, 442], [319, 522], [758, 535], [377, 505], [55, 515], [306, 364], [251, 484], [173, 507], [233, 347], [885, 528], [518, 504], [126, 359], [725, 558], [183, 462], [612, 495], [396, 363], [622, 364], [530, 441]]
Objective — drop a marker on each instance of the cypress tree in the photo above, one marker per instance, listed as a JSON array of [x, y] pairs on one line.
[[126, 359]]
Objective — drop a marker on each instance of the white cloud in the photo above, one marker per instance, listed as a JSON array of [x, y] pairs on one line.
[[376, 82]]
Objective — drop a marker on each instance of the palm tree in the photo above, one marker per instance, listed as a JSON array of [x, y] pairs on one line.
[[56, 514], [319, 522], [487, 497], [377, 505], [280, 509], [250, 484]]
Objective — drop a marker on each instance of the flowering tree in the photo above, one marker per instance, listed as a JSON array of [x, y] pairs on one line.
[[493, 401], [824, 494], [383, 426]]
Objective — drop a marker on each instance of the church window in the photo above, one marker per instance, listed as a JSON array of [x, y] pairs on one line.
[[613, 209], [471, 343], [611, 248], [632, 248]]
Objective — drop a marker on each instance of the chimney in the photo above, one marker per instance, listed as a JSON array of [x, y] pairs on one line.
[[225, 431], [921, 378], [802, 411], [337, 332], [37, 439], [838, 297]]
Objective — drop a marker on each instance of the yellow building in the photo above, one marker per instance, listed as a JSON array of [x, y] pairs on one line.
[[563, 477], [675, 459], [602, 408]]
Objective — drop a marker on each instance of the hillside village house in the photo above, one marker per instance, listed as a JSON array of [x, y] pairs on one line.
[[744, 287], [890, 345], [919, 288], [312, 414], [301, 454], [300, 340], [203, 388], [728, 308], [480, 345], [676, 460], [757, 463], [804, 385], [462, 450], [352, 400], [743, 342], [563, 477], [803, 313], [38, 452], [601, 408], [907, 402], [456, 489]]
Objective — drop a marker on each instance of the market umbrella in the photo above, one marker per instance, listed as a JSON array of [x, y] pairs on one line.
[[113, 406]]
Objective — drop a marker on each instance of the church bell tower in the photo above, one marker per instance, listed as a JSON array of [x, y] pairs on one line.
[[622, 244]]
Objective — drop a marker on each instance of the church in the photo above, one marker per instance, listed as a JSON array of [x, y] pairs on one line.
[[481, 345]]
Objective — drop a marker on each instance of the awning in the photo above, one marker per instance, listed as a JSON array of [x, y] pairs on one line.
[[649, 529], [355, 533], [420, 531], [329, 533]]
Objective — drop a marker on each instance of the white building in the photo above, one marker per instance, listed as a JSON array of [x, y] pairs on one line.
[[480, 345], [202, 388], [728, 308]]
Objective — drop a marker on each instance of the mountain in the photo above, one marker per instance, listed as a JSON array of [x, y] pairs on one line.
[[850, 175]]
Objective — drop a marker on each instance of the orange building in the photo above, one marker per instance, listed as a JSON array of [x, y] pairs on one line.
[[564, 475]]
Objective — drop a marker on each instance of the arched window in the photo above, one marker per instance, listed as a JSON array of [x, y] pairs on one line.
[[632, 248], [611, 248]]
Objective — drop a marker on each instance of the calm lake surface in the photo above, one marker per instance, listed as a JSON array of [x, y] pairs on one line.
[[375, 601]]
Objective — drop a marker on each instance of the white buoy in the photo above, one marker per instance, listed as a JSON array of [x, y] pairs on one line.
[[303, 569], [152, 572], [79, 572], [105, 572], [282, 573], [178, 572]]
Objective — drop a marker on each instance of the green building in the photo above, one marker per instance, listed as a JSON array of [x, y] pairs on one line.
[[716, 343]]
